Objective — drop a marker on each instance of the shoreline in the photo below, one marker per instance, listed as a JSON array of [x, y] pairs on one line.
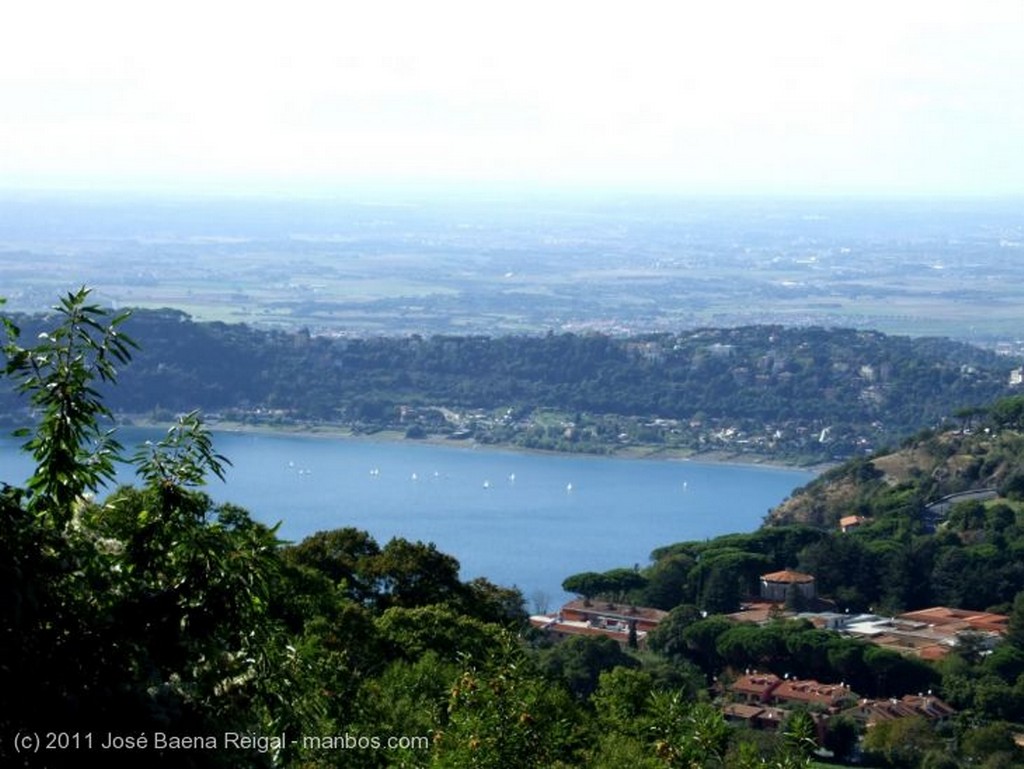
[[635, 453]]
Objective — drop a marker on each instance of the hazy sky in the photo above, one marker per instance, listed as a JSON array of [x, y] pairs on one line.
[[794, 97]]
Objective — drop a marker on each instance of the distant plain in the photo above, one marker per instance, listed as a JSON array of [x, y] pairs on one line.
[[350, 264]]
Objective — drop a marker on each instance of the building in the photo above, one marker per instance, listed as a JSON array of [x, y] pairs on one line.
[[755, 716], [780, 585], [754, 688], [959, 620], [928, 633], [764, 701], [766, 688], [830, 698], [850, 522], [589, 618], [872, 712]]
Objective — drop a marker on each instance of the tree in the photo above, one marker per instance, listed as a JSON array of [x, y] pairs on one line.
[[1005, 661], [411, 633], [701, 639], [986, 742], [413, 574], [800, 733], [1008, 412], [586, 584], [939, 759], [901, 742], [493, 603], [343, 556], [622, 699], [722, 591], [501, 714], [667, 637], [619, 583], [667, 581], [749, 645], [893, 673], [969, 414], [164, 594], [841, 736], [688, 734], [967, 516], [409, 697], [73, 454], [1015, 627], [579, 661]]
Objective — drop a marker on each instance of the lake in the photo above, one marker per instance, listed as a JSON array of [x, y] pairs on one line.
[[517, 518]]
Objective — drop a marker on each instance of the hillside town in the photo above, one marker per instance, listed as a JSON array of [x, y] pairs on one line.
[[765, 701]]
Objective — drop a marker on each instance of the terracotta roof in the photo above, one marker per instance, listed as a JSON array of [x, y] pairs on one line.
[[812, 692], [576, 628], [928, 705], [975, 620], [933, 653], [755, 683], [598, 619], [788, 576], [622, 610], [739, 710], [755, 611], [876, 711]]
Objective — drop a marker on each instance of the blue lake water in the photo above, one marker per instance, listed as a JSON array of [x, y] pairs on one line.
[[521, 519]]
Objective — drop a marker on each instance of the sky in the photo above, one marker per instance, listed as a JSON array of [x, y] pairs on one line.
[[791, 97]]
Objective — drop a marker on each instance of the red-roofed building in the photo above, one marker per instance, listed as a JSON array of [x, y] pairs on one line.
[[830, 697], [606, 614], [872, 712], [959, 619], [848, 522], [582, 618], [779, 585], [754, 687]]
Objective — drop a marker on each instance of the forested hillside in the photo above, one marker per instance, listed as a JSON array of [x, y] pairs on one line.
[[984, 453], [793, 393]]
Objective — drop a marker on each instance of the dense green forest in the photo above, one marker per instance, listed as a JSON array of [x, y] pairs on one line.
[[800, 394], [190, 636]]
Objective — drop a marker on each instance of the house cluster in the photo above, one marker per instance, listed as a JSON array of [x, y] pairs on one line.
[[764, 701], [926, 633], [930, 633]]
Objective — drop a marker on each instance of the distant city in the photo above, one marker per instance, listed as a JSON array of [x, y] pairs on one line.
[[456, 265]]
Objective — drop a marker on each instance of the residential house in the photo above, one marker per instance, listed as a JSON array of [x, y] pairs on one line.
[[872, 712], [754, 687], [755, 716], [589, 618], [830, 698], [850, 522]]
